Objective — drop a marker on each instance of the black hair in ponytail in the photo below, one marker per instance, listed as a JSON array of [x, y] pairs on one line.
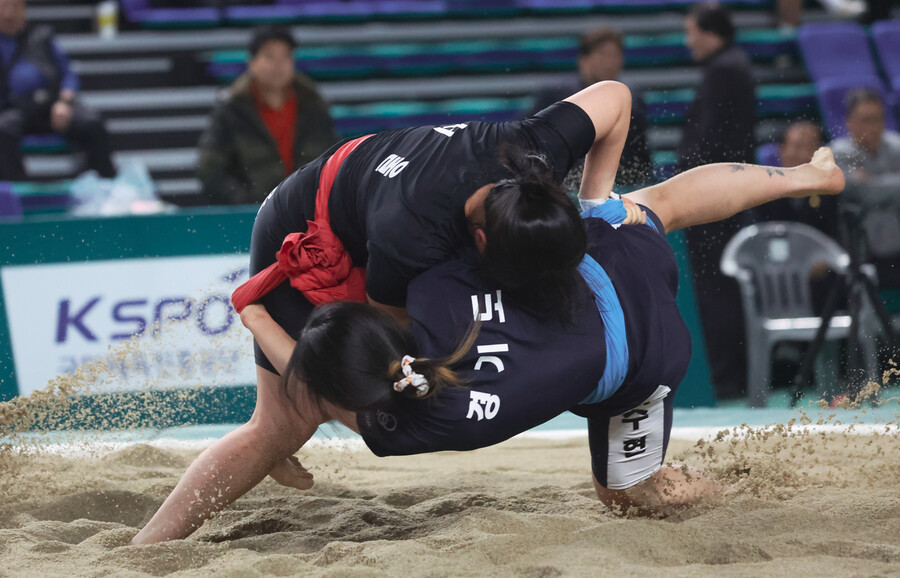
[[349, 354], [535, 237]]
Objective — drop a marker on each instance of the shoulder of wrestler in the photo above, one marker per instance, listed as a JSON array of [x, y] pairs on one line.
[[448, 284], [601, 238]]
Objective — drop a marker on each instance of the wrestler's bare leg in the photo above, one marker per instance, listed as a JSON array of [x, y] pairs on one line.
[[236, 463], [718, 191]]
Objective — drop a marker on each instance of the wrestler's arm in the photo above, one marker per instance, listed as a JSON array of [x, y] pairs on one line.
[[399, 313], [276, 344], [608, 104], [235, 464], [717, 191]]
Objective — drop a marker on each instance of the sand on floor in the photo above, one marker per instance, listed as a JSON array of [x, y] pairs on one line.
[[801, 503]]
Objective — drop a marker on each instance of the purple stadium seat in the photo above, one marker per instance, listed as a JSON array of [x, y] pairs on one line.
[[557, 4], [886, 35], [463, 7], [833, 91], [141, 12], [44, 142], [671, 4], [10, 204], [410, 7], [769, 154], [263, 13], [331, 9], [835, 49]]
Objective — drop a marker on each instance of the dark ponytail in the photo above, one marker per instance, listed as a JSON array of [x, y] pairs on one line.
[[349, 354], [535, 237]]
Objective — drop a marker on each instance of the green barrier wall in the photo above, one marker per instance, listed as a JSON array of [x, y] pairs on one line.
[[60, 239], [209, 232], [696, 389]]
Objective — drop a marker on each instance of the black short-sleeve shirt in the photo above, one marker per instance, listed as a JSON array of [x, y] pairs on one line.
[[523, 370], [398, 200]]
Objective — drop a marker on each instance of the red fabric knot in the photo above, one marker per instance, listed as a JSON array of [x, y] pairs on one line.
[[316, 261], [319, 266]]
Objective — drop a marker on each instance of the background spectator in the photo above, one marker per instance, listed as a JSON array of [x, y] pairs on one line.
[[38, 94], [601, 56], [719, 127], [870, 157], [270, 122], [789, 12], [798, 143]]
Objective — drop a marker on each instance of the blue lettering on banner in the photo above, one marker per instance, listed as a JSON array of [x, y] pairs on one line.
[[213, 316], [77, 321], [161, 305], [118, 316], [185, 363], [204, 307]]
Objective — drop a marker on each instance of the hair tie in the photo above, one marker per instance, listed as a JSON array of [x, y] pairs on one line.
[[417, 380], [540, 159]]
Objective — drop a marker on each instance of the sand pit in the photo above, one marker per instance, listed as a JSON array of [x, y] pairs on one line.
[[805, 504]]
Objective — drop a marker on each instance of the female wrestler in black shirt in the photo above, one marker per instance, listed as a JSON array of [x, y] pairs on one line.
[[286, 418]]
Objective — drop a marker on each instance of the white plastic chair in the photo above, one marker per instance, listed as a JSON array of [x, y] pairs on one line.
[[772, 263]]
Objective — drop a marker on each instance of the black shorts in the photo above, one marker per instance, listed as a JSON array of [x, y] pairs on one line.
[[274, 221], [629, 432], [627, 447]]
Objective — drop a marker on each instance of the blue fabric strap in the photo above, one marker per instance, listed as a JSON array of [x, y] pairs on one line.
[[613, 212], [614, 329]]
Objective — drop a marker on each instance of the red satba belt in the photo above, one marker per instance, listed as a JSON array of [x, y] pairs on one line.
[[316, 261]]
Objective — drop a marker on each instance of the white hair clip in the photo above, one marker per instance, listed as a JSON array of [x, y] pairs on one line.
[[417, 380]]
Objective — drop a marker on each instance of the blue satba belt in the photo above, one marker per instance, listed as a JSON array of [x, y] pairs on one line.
[[613, 212]]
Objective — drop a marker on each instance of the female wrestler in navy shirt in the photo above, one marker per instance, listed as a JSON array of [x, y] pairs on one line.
[[615, 355]]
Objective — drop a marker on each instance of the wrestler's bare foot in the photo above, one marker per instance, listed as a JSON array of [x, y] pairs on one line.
[[822, 175]]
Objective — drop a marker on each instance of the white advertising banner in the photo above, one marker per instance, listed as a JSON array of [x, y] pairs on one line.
[[130, 324]]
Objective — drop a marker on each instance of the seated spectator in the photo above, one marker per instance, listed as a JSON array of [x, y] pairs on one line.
[[870, 157], [600, 57], [38, 94], [270, 122], [798, 143]]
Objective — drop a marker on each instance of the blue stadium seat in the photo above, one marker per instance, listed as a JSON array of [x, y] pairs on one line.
[[50, 142], [142, 13], [263, 13], [836, 49], [410, 8], [10, 204], [769, 154], [886, 35], [313, 9], [482, 7], [833, 91]]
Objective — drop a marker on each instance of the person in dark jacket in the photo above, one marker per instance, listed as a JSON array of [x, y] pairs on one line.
[[270, 122], [718, 127], [38, 94], [601, 53]]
